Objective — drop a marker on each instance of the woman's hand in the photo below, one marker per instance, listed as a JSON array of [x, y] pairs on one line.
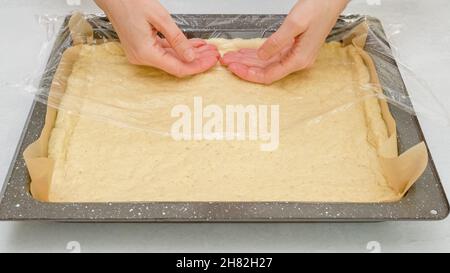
[[137, 23], [293, 47]]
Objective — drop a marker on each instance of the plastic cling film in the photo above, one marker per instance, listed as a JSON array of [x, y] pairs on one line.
[[310, 120], [95, 30]]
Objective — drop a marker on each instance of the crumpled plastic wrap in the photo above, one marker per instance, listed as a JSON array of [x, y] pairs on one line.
[[60, 37]]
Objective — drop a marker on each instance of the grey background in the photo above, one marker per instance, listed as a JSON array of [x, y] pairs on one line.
[[420, 33]]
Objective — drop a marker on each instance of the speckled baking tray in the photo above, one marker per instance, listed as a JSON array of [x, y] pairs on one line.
[[426, 200]]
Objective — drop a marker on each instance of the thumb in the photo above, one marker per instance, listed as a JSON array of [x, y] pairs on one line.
[[281, 38], [175, 38]]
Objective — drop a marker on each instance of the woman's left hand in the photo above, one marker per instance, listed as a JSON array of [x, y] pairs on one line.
[[293, 47]]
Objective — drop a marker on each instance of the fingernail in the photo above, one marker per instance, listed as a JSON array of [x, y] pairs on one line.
[[189, 55]]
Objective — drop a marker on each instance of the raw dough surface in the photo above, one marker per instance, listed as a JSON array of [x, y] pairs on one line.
[[109, 143]]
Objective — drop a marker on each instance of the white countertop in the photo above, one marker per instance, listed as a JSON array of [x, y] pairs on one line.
[[423, 45]]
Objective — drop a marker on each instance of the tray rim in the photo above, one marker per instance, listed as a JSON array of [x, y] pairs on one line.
[[277, 207]]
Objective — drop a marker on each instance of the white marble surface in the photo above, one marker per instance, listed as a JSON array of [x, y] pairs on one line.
[[423, 45]]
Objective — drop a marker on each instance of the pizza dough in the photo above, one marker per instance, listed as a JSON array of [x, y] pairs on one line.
[[111, 138]]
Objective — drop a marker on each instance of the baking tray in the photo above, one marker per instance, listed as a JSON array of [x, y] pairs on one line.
[[426, 200]]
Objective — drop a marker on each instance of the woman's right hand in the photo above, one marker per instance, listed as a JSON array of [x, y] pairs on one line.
[[137, 23]]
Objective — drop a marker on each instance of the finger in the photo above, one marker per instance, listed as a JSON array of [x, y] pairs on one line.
[[284, 36], [250, 57], [194, 42], [201, 64], [266, 75], [162, 21], [209, 53], [176, 67], [291, 61], [246, 59], [305, 50], [198, 51], [206, 47]]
